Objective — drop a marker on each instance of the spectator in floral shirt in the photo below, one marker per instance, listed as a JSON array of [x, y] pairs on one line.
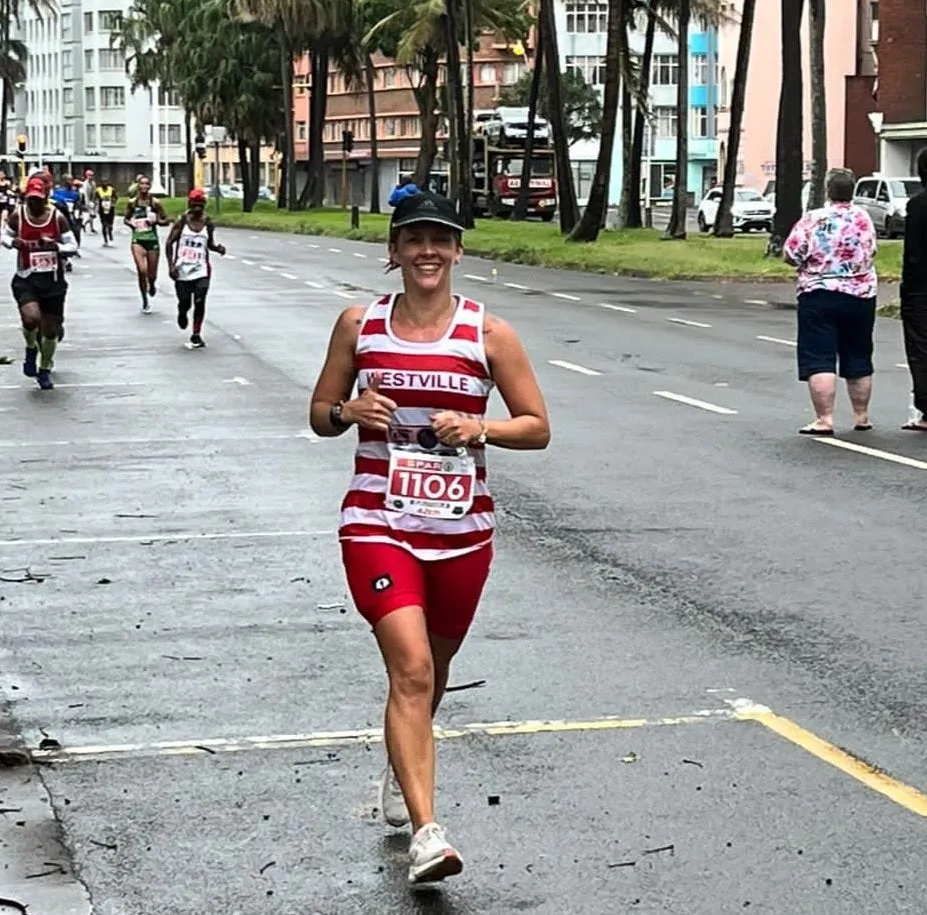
[[834, 249]]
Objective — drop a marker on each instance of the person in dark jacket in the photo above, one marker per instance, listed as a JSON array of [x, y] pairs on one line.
[[914, 298]]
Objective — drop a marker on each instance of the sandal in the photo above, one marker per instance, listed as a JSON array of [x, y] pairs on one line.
[[812, 429]]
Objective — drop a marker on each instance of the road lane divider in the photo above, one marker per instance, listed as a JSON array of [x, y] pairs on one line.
[[693, 402], [567, 296], [287, 276], [475, 278], [573, 367], [874, 452], [622, 308], [781, 340], [687, 323]]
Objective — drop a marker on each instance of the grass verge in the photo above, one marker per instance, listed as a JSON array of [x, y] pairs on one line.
[[632, 252]]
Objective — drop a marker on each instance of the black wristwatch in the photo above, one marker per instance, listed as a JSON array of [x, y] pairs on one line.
[[334, 416]]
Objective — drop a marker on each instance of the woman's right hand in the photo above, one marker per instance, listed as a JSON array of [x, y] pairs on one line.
[[372, 410]]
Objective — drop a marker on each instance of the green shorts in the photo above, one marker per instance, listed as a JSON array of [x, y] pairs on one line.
[[149, 244]]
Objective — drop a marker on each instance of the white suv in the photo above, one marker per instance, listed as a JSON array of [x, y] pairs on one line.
[[748, 209], [886, 201]]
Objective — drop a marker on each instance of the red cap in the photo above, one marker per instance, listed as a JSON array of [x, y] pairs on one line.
[[35, 187], [196, 195]]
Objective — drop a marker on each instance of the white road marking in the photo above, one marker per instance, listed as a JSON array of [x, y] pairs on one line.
[[345, 295], [383, 260], [573, 367], [162, 538], [267, 267], [254, 236], [901, 365], [755, 302], [622, 308], [312, 245], [229, 257], [716, 296], [776, 340], [687, 323], [517, 286], [473, 276], [335, 250], [288, 276], [247, 263], [314, 285], [876, 453], [83, 384], [358, 254], [237, 380], [567, 296], [692, 402], [87, 442]]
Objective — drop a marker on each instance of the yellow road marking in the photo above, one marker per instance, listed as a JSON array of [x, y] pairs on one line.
[[371, 735], [897, 791]]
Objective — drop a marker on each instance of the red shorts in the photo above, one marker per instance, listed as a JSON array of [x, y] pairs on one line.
[[383, 577]]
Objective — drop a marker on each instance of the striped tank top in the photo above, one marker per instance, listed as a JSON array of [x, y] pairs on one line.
[[422, 378]]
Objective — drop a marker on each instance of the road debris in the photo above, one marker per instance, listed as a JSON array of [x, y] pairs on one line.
[[473, 684]]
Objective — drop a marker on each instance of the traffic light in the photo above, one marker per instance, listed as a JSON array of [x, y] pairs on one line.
[[347, 141], [21, 146], [199, 144]]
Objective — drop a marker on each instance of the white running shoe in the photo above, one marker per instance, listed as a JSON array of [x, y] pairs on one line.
[[392, 803], [431, 856]]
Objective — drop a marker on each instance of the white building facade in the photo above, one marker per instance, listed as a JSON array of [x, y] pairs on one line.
[[581, 35], [77, 108]]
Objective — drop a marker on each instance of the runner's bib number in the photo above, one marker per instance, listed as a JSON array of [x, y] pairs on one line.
[[106, 205], [43, 261], [192, 254], [430, 485]]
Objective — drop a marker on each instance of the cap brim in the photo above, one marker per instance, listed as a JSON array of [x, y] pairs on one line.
[[37, 194], [434, 220]]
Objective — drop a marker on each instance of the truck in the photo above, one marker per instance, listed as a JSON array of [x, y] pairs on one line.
[[496, 179]]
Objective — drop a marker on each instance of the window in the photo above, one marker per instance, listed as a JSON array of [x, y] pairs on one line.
[[67, 96], [88, 23], [90, 98], [665, 70], [174, 137], [592, 69], [666, 122], [700, 69], [300, 130], [389, 77], [111, 59], [168, 97], [512, 73], [583, 16], [90, 135], [88, 61], [583, 173], [68, 136], [113, 134], [724, 88], [112, 97], [110, 20], [700, 122], [487, 75], [66, 27], [874, 19], [67, 67]]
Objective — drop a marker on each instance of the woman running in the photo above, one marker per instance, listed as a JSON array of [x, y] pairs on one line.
[[188, 245], [417, 522], [143, 216]]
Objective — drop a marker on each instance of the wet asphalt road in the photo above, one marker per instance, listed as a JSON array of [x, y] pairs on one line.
[[678, 560]]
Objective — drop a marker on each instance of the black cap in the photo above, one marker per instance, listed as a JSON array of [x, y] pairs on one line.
[[424, 206]]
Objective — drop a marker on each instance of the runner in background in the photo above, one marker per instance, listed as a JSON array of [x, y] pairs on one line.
[[417, 522], [106, 199], [143, 215], [90, 196], [67, 199], [188, 245], [7, 197], [41, 237]]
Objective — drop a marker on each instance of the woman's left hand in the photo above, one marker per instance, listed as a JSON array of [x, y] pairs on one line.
[[454, 430]]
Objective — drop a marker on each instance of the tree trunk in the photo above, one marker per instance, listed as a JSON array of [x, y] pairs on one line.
[[256, 171], [247, 200], [818, 105], [188, 144], [7, 89], [314, 192], [458, 111], [471, 97], [676, 229], [426, 97], [520, 212], [635, 217], [724, 222], [370, 75], [627, 129], [789, 141], [286, 73], [569, 211]]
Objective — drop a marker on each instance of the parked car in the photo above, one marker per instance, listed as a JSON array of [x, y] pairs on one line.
[[769, 195], [509, 127], [748, 209], [886, 201]]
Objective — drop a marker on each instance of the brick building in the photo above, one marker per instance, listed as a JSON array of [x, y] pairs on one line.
[[398, 121], [901, 85]]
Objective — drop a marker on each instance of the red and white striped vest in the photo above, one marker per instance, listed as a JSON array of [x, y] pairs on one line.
[[422, 378]]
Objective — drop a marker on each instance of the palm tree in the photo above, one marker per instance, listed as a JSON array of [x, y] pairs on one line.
[[818, 104], [520, 211], [676, 228], [789, 135], [634, 218], [587, 229], [724, 221], [458, 112]]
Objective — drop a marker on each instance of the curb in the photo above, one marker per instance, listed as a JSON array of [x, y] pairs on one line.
[[13, 749]]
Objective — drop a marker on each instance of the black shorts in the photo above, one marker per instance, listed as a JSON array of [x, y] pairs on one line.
[[149, 244], [196, 288], [835, 329], [49, 296]]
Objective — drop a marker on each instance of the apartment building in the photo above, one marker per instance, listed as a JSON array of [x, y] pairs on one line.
[[399, 126], [850, 34], [581, 32], [900, 108], [77, 106]]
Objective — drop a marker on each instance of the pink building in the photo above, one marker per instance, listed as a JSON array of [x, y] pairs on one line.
[[851, 28]]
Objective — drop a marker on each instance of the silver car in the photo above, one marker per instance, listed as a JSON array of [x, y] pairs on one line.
[[886, 201]]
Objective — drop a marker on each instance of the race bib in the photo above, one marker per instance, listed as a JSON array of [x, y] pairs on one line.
[[191, 254], [43, 261], [106, 205], [430, 485]]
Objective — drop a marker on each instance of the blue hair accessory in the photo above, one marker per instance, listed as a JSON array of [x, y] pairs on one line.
[[402, 192]]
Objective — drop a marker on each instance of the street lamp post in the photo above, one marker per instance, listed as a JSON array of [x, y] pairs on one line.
[[877, 118]]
